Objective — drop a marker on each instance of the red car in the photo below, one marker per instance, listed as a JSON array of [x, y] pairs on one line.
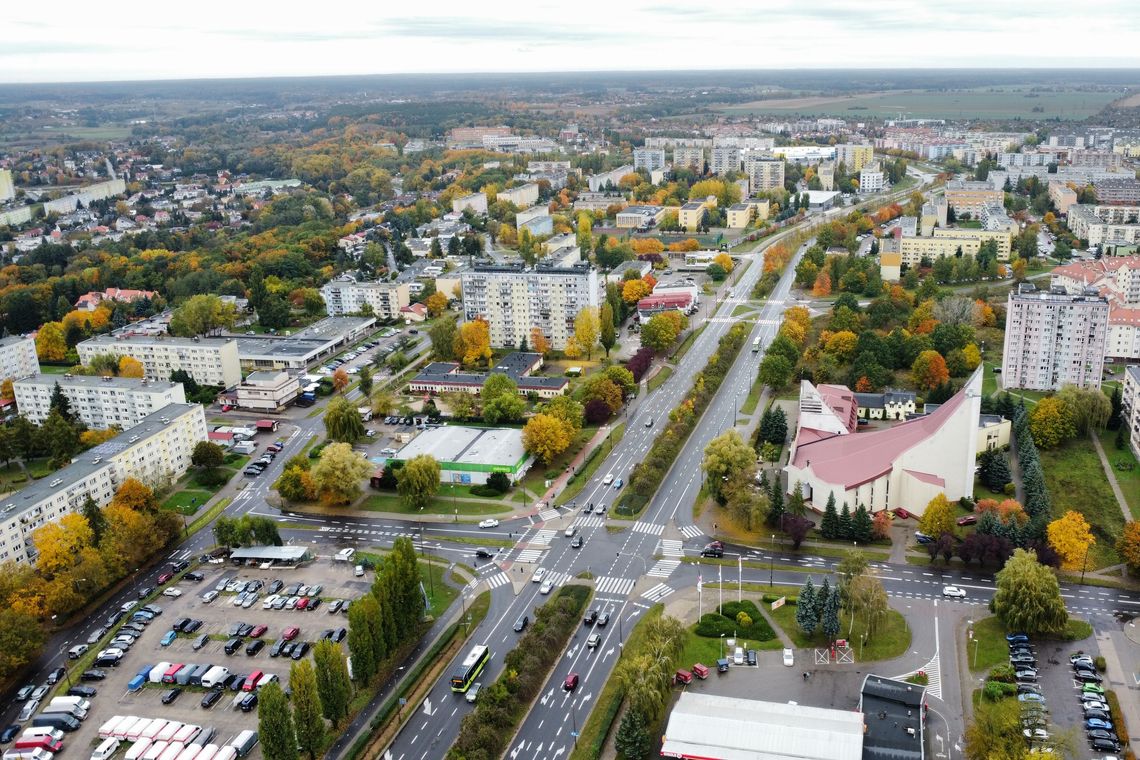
[[967, 519], [303, 602], [226, 407], [902, 513], [258, 631], [571, 682], [290, 633], [164, 578]]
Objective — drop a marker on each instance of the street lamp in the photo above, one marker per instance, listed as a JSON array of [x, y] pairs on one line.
[[771, 559], [63, 662], [644, 565]]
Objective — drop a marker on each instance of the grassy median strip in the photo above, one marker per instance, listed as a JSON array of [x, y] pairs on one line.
[[594, 460]]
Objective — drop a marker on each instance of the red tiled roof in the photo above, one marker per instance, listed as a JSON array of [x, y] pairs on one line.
[[841, 400]]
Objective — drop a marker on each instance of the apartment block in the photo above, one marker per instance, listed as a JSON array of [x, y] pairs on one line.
[[1062, 196], [1104, 225], [872, 179], [18, 357], [1118, 192], [649, 159], [725, 159], [1117, 278], [156, 451], [1130, 412], [689, 157], [692, 215], [99, 402], [765, 173], [514, 299], [943, 242], [826, 174], [854, 157], [476, 202], [210, 361], [7, 187], [347, 296], [549, 167], [599, 182], [740, 215], [968, 196], [522, 196], [1053, 339]]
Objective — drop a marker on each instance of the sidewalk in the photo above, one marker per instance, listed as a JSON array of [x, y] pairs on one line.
[[1111, 476], [559, 483]]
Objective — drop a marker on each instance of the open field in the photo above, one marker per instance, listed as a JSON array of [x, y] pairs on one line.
[[1076, 481], [983, 103]]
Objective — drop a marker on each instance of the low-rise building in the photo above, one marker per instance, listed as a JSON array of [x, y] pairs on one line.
[[98, 402], [536, 220], [303, 348], [18, 357], [640, 217], [90, 301], [468, 456], [444, 377], [210, 361], [345, 295], [872, 179], [156, 451], [740, 215], [267, 391], [692, 215], [891, 404]]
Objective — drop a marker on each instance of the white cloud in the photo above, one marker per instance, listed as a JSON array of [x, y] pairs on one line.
[[216, 38]]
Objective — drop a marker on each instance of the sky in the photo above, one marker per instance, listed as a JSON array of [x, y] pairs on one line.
[[69, 40]]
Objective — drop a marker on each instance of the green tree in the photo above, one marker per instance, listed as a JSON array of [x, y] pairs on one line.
[[774, 425], [775, 517], [333, 685], [275, 313], [861, 525], [1088, 408], [501, 400], [202, 315], [659, 332], [61, 439], [994, 472], [726, 458], [805, 609], [308, 724], [339, 472], [1028, 597], [829, 525], [61, 404], [775, 371], [1051, 423], [207, 455], [342, 420], [608, 336], [275, 724], [846, 525], [94, 516], [633, 739], [361, 645], [417, 481], [853, 565], [443, 334], [365, 381]]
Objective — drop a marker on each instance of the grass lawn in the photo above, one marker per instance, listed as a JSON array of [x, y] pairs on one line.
[[659, 379], [186, 502], [54, 369], [742, 309], [440, 595], [753, 398], [39, 467], [1076, 481], [892, 640], [390, 502], [1121, 461], [989, 379], [988, 647]]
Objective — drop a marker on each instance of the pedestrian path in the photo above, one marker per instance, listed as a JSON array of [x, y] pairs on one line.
[[664, 568], [590, 522], [691, 531], [557, 579], [652, 529], [658, 592], [608, 585], [542, 537], [672, 548]]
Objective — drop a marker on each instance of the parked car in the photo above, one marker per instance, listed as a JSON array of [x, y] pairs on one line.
[[170, 695], [1098, 723], [211, 698], [93, 675]]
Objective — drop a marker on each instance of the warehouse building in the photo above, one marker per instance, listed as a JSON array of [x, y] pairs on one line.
[[468, 456]]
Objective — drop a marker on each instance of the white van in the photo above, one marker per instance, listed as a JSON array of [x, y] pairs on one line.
[[158, 671], [190, 752], [38, 732], [344, 555], [138, 749], [106, 749], [28, 754], [168, 731], [80, 702], [172, 751], [76, 712], [154, 750], [108, 728], [215, 676], [608, 479], [244, 742]]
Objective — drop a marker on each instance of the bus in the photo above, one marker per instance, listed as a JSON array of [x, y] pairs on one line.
[[756, 345], [470, 669]]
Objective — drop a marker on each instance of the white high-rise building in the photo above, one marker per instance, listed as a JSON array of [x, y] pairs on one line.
[[514, 300], [210, 361], [689, 157], [7, 186], [649, 159], [1053, 339], [100, 402], [347, 296], [765, 173], [725, 159], [18, 357]]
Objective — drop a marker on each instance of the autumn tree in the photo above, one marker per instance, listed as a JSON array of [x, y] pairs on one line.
[[51, 346], [1069, 535], [938, 517], [546, 436], [201, 315], [417, 481], [1028, 597], [726, 458], [435, 304], [339, 472], [659, 332], [342, 420], [340, 379], [1128, 545], [587, 325], [822, 286], [538, 342], [473, 342], [725, 262], [633, 291], [929, 370], [134, 494], [1051, 423], [131, 367]]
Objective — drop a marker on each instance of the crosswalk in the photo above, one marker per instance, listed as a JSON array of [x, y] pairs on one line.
[[664, 568], [657, 593], [608, 585], [529, 555], [367, 532], [590, 522], [542, 537], [548, 514], [691, 531], [496, 580], [672, 548], [652, 529], [556, 579]]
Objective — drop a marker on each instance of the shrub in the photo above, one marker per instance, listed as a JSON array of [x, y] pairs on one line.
[[1117, 716], [1002, 673], [996, 690], [499, 482], [1101, 665]]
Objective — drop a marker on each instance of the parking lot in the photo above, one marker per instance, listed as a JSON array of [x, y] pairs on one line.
[[206, 609]]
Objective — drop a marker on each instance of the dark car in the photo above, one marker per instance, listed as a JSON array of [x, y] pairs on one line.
[[1105, 745], [275, 586], [327, 634], [180, 623], [56, 676], [300, 650], [1012, 638], [145, 591], [235, 628], [244, 630], [1100, 733], [577, 541], [233, 645], [178, 567], [92, 675], [1028, 688], [520, 624], [236, 682], [249, 702], [314, 602], [275, 650], [192, 626], [340, 635], [482, 553], [591, 617], [286, 648], [1085, 676], [211, 698], [82, 691], [194, 576], [201, 641], [171, 695], [750, 657], [10, 733], [255, 646], [571, 682]]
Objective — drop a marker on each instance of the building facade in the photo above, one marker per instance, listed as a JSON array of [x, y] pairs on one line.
[[513, 300], [1123, 191], [18, 357], [156, 452], [1053, 339], [725, 159], [689, 157], [347, 296], [968, 196], [210, 361], [854, 157], [99, 402], [872, 179], [649, 159], [267, 391], [522, 196], [1130, 409], [765, 173], [476, 202]]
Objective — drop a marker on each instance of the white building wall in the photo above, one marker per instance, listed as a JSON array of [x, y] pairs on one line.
[[18, 358]]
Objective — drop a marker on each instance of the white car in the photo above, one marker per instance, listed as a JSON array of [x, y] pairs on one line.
[[209, 596], [789, 658], [539, 574], [173, 592], [546, 588], [608, 479], [489, 523], [738, 656], [269, 600], [953, 592]]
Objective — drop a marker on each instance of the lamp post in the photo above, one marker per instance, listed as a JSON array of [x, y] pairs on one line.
[[1085, 563], [771, 560], [63, 662]]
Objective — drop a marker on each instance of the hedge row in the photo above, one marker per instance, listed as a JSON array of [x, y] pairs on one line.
[[502, 705], [648, 474]]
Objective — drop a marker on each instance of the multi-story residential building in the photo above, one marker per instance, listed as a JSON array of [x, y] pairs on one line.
[[649, 159], [872, 179], [520, 144], [267, 391], [536, 220], [1130, 411], [1120, 192], [156, 451], [347, 296], [7, 187], [210, 361], [1117, 278], [472, 137], [549, 167], [740, 215], [994, 217], [725, 159], [477, 202], [18, 357], [587, 201], [1104, 225], [692, 215], [854, 157], [968, 196], [911, 250], [765, 173], [689, 157], [99, 402], [1053, 339], [826, 174], [514, 299], [1062, 196], [522, 196], [640, 217], [605, 180]]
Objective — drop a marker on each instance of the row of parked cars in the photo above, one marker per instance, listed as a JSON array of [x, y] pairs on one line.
[[258, 466], [160, 739]]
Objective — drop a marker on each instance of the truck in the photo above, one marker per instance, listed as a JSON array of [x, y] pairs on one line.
[[266, 426], [28, 754], [365, 413]]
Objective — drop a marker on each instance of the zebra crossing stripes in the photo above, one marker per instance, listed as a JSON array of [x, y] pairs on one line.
[[657, 593], [691, 531], [496, 580], [608, 585], [548, 514], [647, 527], [529, 555], [590, 522], [542, 537], [557, 578], [671, 548], [664, 568]]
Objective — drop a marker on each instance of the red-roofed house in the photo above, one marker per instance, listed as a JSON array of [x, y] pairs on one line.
[[905, 465], [415, 312], [90, 301], [828, 408], [1117, 279], [655, 304]]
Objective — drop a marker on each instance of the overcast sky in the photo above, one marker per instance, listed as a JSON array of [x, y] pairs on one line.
[[69, 40]]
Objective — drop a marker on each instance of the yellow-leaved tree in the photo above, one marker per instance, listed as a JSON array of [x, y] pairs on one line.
[[938, 517], [1071, 538], [546, 436], [587, 325], [473, 342]]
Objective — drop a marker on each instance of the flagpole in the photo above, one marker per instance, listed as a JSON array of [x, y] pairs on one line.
[[700, 598], [739, 577], [719, 588]]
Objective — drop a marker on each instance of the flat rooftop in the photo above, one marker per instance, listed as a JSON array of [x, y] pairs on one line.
[[467, 445], [97, 381], [166, 340], [893, 718]]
